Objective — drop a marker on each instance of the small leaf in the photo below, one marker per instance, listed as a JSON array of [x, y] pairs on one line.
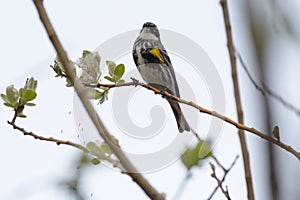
[[29, 95], [109, 78], [30, 104], [31, 84], [21, 92], [95, 161], [101, 99], [95, 150], [98, 95], [204, 149], [193, 155], [69, 83], [111, 67], [104, 97], [57, 70], [22, 116], [85, 53], [12, 94], [106, 148], [189, 158], [93, 93], [119, 71], [121, 81], [4, 98], [9, 105], [90, 65]]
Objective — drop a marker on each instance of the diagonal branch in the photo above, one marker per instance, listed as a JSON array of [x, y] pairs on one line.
[[220, 182], [239, 109], [264, 90], [130, 169], [238, 125]]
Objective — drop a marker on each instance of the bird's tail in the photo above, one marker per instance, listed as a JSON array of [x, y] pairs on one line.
[[180, 119]]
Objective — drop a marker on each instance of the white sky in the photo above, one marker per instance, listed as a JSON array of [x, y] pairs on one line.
[[30, 168]]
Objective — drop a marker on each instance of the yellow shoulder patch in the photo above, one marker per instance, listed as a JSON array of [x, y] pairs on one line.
[[156, 53]]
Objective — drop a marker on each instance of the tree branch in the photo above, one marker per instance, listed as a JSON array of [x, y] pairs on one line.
[[238, 125], [241, 133], [115, 163], [264, 90], [220, 182], [130, 169]]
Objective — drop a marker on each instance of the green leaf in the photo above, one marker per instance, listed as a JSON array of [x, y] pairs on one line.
[[57, 70], [22, 116], [85, 53], [12, 94], [21, 92], [90, 65], [193, 155], [29, 95], [95, 161], [109, 78], [121, 81], [119, 71], [190, 158], [111, 67], [204, 149], [95, 150], [106, 148], [30, 104], [9, 105], [69, 83], [103, 96], [31, 84], [93, 93], [4, 98]]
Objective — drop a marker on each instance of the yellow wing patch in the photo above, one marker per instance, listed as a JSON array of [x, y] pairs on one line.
[[156, 53]]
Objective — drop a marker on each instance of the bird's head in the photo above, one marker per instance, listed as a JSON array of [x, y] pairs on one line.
[[149, 31]]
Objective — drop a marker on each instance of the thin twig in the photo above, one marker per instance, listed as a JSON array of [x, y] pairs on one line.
[[264, 90], [241, 133], [220, 182], [50, 139], [115, 163], [130, 169]]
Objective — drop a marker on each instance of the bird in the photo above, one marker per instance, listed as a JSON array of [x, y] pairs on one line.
[[155, 67]]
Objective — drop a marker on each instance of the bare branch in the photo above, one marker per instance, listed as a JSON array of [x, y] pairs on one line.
[[115, 163], [239, 109], [220, 182], [130, 169], [264, 90]]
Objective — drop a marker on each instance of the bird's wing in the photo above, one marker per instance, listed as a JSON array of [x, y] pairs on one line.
[[167, 61], [135, 57]]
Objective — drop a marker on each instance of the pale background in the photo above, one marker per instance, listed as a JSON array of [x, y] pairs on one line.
[[32, 169]]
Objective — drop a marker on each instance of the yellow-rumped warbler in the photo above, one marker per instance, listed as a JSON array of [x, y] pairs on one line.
[[155, 67]]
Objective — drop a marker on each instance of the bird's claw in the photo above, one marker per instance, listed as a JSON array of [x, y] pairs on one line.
[[135, 81], [163, 92]]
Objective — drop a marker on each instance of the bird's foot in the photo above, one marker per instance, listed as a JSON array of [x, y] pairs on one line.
[[163, 92], [135, 81]]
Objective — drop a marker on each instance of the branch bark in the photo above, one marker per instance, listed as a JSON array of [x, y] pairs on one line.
[[220, 182], [239, 109], [130, 169], [238, 125]]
